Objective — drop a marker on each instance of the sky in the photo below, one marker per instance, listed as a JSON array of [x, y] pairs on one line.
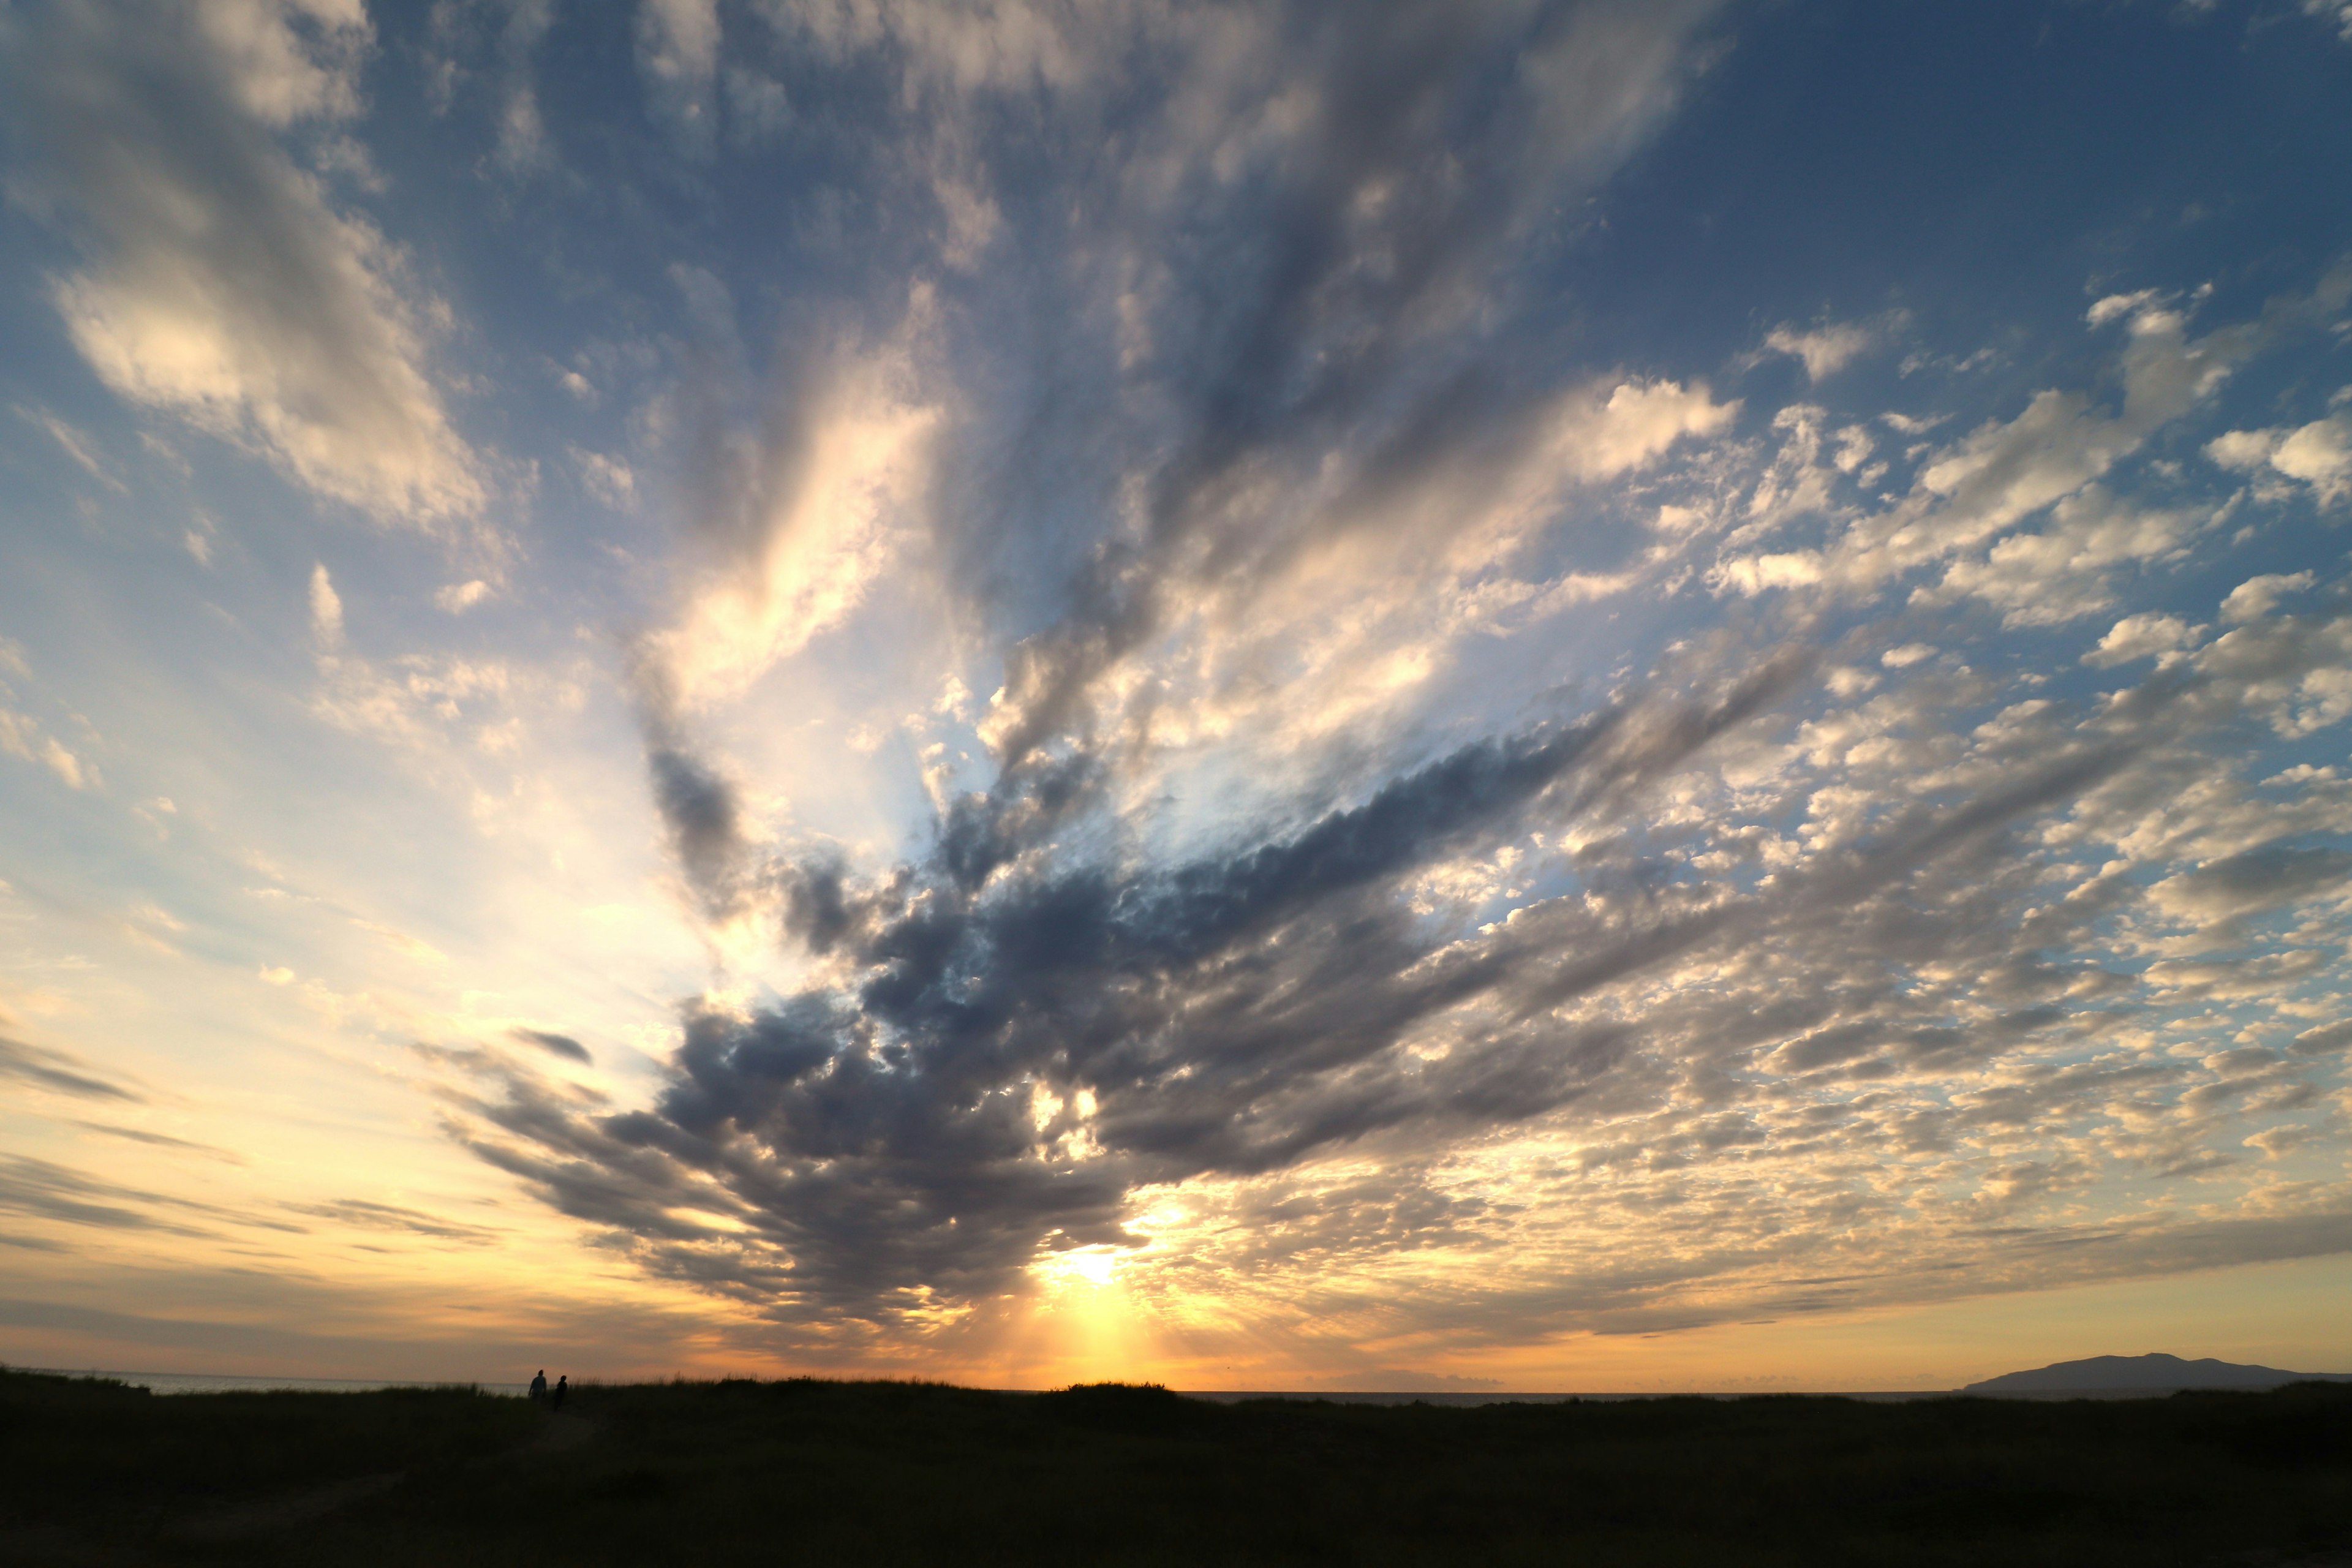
[[1542, 694]]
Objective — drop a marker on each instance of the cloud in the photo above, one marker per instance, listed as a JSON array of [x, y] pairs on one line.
[[326, 610], [77, 444], [1328, 905], [456, 598], [1635, 423], [42, 1190], [360, 1215], [677, 54], [2069, 569], [460, 29], [1671, 955], [2148, 635], [1287, 290], [2320, 1041], [607, 479], [795, 524], [2318, 454], [699, 810], [39, 1190], [219, 282], [2117, 307], [160, 1141], [21, 736], [2336, 11], [2257, 596], [562, 1046], [883, 1143], [1972, 491], [57, 1072], [1825, 350], [2253, 881], [2243, 450]]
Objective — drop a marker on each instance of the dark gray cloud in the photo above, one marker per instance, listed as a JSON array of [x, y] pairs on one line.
[[695, 805], [704, 823], [1230, 1015]]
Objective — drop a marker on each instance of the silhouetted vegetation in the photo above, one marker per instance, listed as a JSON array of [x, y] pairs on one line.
[[818, 1472]]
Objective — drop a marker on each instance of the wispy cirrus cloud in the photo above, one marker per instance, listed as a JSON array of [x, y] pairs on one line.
[[58, 1072]]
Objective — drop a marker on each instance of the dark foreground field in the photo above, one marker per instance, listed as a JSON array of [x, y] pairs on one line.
[[887, 1473]]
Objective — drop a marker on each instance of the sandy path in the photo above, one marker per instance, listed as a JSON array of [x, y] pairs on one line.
[[286, 1509], [561, 1435]]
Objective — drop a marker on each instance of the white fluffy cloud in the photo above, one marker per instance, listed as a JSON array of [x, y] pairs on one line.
[[1637, 421], [2318, 454], [1825, 350], [1972, 491], [2257, 596], [2068, 569], [221, 281], [2143, 635], [326, 609]]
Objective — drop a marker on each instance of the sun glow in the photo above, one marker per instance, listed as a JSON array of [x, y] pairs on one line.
[[1093, 1266]]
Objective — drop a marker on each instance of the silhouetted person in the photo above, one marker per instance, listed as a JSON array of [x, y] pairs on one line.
[[562, 1387], [539, 1386]]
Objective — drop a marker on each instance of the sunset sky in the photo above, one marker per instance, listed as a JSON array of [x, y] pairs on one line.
[[1623, 694]]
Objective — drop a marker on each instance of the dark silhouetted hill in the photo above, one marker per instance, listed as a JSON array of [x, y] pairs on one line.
[[2144, 1374], [775, 1475]]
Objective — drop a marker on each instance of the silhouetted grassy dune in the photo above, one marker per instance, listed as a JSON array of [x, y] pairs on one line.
[[851, 1473]]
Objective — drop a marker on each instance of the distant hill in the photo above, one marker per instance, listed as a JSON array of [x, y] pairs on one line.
[[2144, 1374]]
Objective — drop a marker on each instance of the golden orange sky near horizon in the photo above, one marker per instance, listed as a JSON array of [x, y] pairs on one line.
[[543, 1300]]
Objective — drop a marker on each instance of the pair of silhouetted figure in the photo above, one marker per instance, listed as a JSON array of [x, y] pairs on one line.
[[539, 1392]]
